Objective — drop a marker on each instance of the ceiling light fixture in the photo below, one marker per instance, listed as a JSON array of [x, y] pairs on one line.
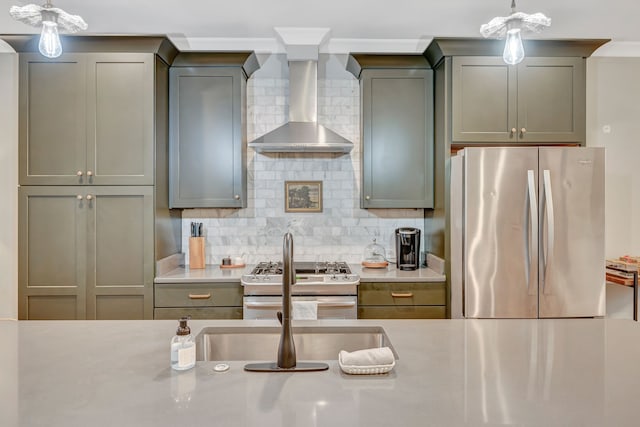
[[50, 18], [512, 27]]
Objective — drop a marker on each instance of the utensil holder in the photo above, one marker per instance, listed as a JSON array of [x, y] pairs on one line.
[[196, 252]]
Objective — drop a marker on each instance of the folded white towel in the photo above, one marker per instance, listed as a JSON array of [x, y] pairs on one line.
[[304, 310], [368, 357]]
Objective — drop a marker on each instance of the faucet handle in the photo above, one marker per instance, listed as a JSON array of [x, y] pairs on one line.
[[280, 317]]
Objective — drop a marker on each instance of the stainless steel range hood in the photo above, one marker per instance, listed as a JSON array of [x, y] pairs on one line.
[[302, 133]]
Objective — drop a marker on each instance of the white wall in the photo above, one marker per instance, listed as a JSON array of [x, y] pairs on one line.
[[8, 182], [613, 121]]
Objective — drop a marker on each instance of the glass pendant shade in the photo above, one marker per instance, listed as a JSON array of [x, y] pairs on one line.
[[51, 19], [511, 27], [513, 48], [50, 45]]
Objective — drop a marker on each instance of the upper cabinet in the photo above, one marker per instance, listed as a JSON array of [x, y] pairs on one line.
[[207, 95], [87, 118], [480, 99], [539, 100], [396, 130]]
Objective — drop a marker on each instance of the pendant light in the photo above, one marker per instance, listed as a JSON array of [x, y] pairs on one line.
[[51, 19], [511, 28]]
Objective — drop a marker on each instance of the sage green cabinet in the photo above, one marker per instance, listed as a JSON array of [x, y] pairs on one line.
[[397, 138], [207, 95], [401, 300], [93, 169], [198, 300], [87, 119], [85, 252], [540, 100]]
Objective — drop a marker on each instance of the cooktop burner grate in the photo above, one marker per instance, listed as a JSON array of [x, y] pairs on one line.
[[324, 267]]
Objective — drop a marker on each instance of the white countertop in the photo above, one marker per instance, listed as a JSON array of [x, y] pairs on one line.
[[572, 372], [209, 274], [392, 274], [215, 274]]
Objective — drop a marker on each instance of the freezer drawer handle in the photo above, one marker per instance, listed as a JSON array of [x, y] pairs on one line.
[[402, 294], [199, 296]]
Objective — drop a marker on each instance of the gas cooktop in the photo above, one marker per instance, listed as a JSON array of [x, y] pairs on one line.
[[324, 267], [312, 278]]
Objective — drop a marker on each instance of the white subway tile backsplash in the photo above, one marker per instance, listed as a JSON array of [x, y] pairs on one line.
[[341, 230]]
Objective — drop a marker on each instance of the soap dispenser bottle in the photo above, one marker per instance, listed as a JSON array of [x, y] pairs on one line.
[[183, 347]]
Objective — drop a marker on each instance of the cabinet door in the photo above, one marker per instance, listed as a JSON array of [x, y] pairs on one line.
[[120, 261], [52, 253], [551, 100], [401, 300], [397, 148], [198, 313], [120, 125], [207, 166], [52, 120], [198, 294], [484, 94]]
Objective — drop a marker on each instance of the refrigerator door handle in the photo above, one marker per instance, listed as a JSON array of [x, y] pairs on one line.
[[531, 231], [548, 200]]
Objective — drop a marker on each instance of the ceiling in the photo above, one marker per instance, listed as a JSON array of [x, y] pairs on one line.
[[355, 25]]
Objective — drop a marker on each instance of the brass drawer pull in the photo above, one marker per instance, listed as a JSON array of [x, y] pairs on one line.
[[199, 296], [402, 294]]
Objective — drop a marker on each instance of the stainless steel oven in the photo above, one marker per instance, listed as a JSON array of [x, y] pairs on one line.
[[330, 284], [329, 307]]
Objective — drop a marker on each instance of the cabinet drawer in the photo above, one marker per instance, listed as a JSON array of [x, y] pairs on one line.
[[402, 312], [399, 293], [199, 313], [198, 295]]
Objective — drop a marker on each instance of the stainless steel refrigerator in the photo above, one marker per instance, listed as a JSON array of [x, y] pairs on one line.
[[527, 232]]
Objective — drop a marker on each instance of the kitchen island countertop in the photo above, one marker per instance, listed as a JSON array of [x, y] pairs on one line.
[[560, 372]]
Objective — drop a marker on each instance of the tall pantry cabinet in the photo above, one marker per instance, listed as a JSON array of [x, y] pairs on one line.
[[93, 173]]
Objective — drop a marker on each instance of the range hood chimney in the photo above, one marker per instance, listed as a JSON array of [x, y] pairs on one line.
[[302, 133]]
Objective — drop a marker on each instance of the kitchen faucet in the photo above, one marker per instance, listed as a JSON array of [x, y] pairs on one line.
[[286, 349]]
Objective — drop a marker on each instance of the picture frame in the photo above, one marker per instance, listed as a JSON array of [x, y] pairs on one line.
[[303, 196]]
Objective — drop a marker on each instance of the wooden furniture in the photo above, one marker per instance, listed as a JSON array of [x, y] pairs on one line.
[[93, 197], [540, 100], [198, 300], [396, 95], [480, 99], [208, 129], [87, 119], [85, 252], [401, 300], [634, 285]]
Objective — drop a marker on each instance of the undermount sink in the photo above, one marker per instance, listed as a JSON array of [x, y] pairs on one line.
[[312, 342]]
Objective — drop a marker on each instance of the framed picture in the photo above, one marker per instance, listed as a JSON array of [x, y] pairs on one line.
[[303, 196]]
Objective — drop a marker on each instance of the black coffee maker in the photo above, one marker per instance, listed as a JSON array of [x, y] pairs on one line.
[[407, 248]]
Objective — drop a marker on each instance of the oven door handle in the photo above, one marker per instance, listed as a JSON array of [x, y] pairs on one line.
[[279, 305], [336, 304], [263, 305]]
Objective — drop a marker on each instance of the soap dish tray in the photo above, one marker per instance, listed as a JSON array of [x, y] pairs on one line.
[[365, 369]]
